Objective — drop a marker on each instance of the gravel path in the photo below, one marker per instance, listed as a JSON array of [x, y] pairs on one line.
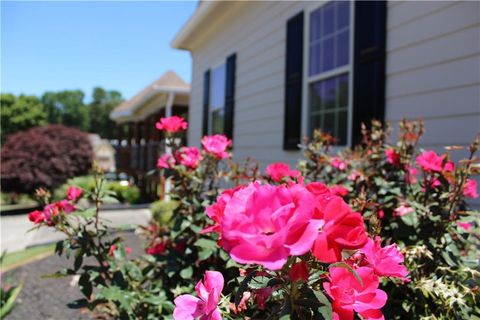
[[44, 299]]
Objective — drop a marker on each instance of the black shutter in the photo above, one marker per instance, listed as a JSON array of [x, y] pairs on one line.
[[293, 83], [229, 95], [206, 101], [368, 64]]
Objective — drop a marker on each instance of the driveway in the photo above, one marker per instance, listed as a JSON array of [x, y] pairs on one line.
[[15, 235]]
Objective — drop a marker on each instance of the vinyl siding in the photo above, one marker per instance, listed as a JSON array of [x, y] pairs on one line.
[[433, 72]]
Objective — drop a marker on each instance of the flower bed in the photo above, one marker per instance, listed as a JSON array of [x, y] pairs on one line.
[[382, 231]]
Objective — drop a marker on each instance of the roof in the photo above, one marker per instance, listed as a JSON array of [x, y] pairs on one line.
[[168, 82]]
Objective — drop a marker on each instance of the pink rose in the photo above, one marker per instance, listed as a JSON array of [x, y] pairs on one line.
[[464, 225], [36, 216], [386, 261], [470, 189], [430, 161], [73, 193], [299, 271], [343, 229], [215, 211], [157, 249], [266, 224], [188, 156], [403, 210], [166, 161], [188, 307], [349, 295], [354, 175], [279, 170], [172, 124], [392, 156], [217, 145], [338, 163], [411, 175]]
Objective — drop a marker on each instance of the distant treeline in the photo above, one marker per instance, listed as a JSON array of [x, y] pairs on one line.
[[64, 107]]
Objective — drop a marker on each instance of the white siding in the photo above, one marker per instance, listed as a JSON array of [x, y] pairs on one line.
[[433, 71], [433, 68]]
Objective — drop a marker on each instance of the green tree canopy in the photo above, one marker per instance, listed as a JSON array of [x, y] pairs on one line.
[[67, 108], [102, 104], [20, 113]]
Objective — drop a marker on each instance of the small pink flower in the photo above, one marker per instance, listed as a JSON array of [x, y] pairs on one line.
[[403, 210], [464, 225], [166, 161], [299, 271], [172, 124], [157, 249], [114, 247], [354, 175], [279, 170], [188, 156], [217, 145], [411, 175], [430, 161], [386, 261], [243, 303], [215, 211], [349, 295], [65, 206], [392, 156], [449, 166], [470, 189], [188, 307], [73, 193], [36, 216], [339, 190], [338, 163]]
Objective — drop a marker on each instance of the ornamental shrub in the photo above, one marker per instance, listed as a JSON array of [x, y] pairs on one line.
[[44, 157], [356, 234]]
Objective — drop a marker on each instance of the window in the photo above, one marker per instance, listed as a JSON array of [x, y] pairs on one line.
[[217, 100], [329, 70]]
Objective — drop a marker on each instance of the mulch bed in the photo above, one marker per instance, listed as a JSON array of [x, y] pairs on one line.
[[48, 298]]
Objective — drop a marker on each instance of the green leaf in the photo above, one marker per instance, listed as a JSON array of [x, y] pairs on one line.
[[186, 273], [205, 243], [86, 214], [326, 308], [85, 285], [8, 305]]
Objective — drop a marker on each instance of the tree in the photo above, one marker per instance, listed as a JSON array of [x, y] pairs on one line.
[[67, 108], [44, 157], [103, 102], [20, 113]]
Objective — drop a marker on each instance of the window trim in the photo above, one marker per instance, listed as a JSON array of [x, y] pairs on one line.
[[307, 79], [210, 109]]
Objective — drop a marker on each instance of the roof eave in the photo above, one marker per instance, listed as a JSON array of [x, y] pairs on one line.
[[180, 41]]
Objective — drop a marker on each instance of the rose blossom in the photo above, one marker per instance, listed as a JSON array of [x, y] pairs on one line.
[[411, 175], [265, 224], [349, 295], [216, 145], [464, 225], [188, 307], [188, 156], [343, 229], [166, 161], [157, 249], [279, 170], [386, 261], [470, 189], [172, 124], [392, 156], [430, 161], [403, 210], [339, 190], [73, 193], [36, 216], [215, 211], [354, 175], [338, 163]]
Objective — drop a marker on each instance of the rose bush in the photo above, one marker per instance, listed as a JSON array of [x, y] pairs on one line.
[[382, 231]]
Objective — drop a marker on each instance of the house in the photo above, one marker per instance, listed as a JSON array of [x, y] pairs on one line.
[[266, 73], [139, 143], [103, 153]]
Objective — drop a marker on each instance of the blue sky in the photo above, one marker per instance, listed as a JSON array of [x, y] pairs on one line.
[[51, 46]]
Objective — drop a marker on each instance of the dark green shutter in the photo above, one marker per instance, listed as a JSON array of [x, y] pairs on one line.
[[293, 83], [368, 64], [206, 101], [229, 95]]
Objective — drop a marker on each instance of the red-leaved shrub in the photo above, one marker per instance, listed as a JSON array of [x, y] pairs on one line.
[[44, 157]]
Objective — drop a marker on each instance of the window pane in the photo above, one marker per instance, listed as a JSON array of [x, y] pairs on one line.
[[328, 19], [327, 54], [217, 88], [329, 106], [342, 48], [314, 59], [343, 14], [217, 121]]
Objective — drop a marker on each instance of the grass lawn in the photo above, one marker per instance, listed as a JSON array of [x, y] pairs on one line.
[[17, 258]]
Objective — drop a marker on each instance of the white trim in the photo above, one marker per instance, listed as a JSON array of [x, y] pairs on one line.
[[307, 79]]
